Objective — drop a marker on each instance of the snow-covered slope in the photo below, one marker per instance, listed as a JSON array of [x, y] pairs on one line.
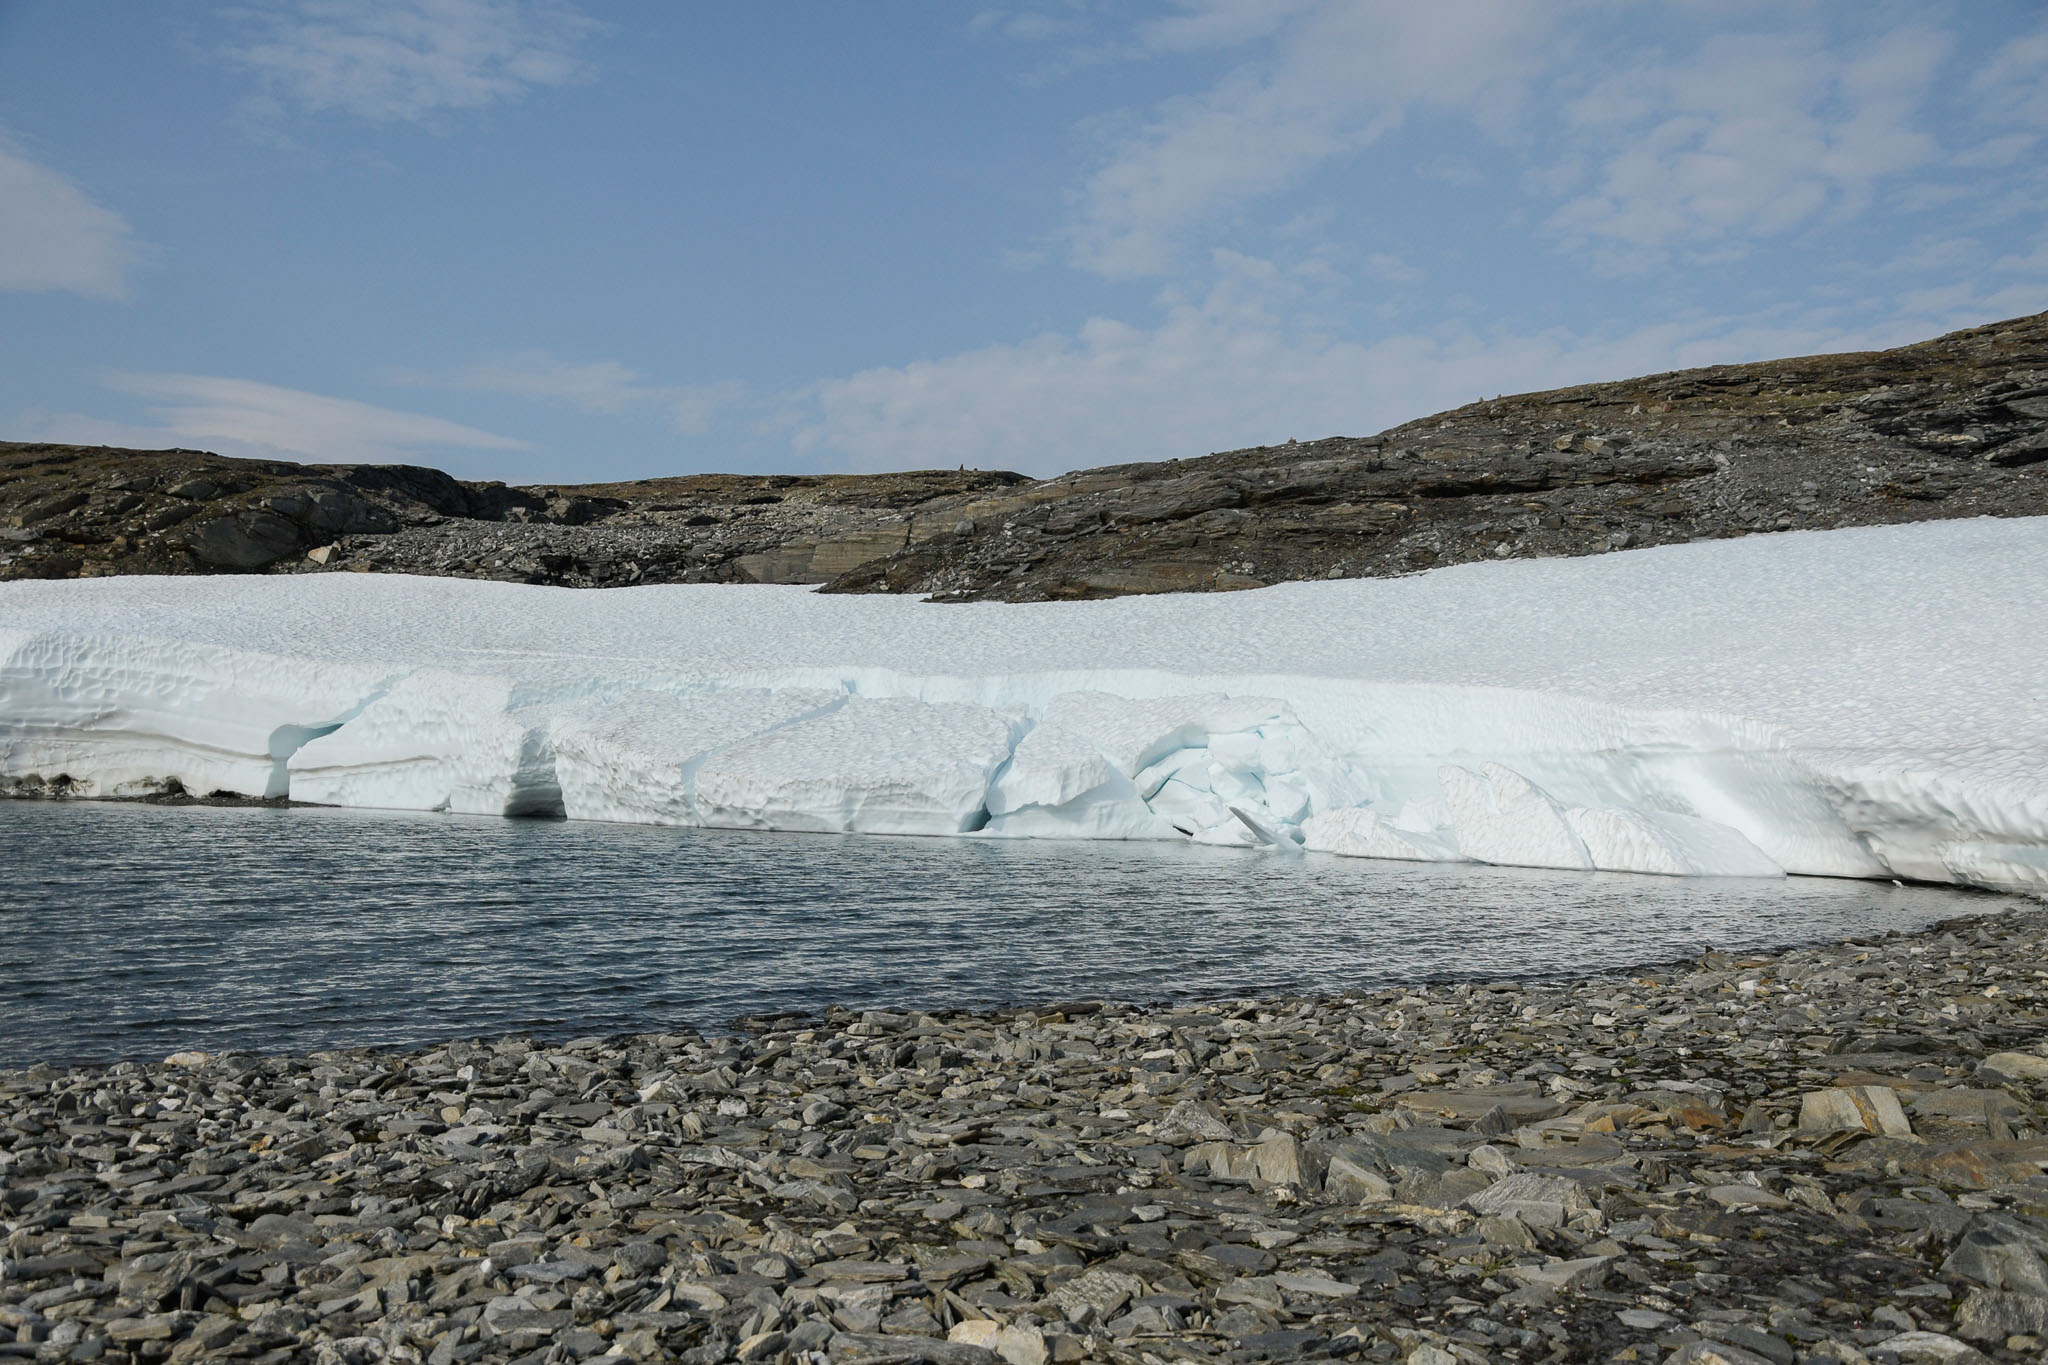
[[1861, 703]]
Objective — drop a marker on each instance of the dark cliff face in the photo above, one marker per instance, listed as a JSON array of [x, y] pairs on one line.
[[1957, 426]]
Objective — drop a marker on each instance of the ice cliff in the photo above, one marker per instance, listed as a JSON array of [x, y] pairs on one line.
[[1862, 703]]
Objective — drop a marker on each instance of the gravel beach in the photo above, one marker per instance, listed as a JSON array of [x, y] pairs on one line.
[[1829, 1153]]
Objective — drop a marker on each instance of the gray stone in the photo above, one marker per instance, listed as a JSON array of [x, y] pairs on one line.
[[1347, 1180], [761, 1346], [1095, 1296], [1280, 1159], [1540, 1201], [1708, 1352], [1992, 1315], [1585, 1272], [875, 1349], [244, 540], [2014, 1066], [1931, 1348], [2001, 1253], [1858, 1108], [1190, 1121]]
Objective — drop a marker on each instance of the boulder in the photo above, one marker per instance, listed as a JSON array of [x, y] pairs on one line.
[[1853, 1108], [244, 540]]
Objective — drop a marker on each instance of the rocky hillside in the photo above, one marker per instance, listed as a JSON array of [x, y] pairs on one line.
[[1953, 427]]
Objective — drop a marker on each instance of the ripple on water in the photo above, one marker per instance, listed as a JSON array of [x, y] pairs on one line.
[[133, 931]]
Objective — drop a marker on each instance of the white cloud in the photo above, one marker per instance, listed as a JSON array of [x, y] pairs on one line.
[[300, 425], [1972, 305], [1751, 136], [1340, 75], [2034, 262], [2013, 86], [1777, 119], [1389, 268], [397, 60], [53, 237], [602, 386], [694, 408], [1995, 153], [1451, 170], [1027, 25], [1203, 25], [605, 386], [1239, 367]]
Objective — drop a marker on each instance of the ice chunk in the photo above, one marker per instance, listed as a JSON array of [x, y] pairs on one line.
[[1668, 843], [873, 766], [1269, 834], [2005, 867], [634, 759], [1187, 804], [1135, 733], [1774, 801], [1110, 811], [1058, 784], [1241, 749], [1197, 790], [127, 714], [1502, 817], [1052, 765], [435, 740], [1359, 832], [1286, 798]]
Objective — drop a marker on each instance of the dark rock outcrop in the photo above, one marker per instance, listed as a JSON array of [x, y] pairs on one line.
[[1953, 427]]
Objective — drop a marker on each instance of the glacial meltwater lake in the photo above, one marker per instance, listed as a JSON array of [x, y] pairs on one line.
[[137, 930]]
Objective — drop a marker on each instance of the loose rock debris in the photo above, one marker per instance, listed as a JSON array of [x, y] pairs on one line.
[[1829, 1153]]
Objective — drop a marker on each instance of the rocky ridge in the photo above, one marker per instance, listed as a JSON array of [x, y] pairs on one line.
[[1953, 427], [1825, 1154]]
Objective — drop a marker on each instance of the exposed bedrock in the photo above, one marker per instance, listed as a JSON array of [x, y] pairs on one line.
[[1953, 427]]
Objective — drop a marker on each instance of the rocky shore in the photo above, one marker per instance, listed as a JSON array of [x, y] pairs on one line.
[[1831, 1153]]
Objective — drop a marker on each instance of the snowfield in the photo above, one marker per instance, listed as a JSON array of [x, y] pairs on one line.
[[1861, 703]]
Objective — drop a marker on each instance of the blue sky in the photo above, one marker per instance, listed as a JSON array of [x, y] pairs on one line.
[[538, 241]]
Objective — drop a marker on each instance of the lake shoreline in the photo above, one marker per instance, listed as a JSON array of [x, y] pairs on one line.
[[1829, 1152], [141, 930]]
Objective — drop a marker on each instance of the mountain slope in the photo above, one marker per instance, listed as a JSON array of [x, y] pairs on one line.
[[1956, 426]]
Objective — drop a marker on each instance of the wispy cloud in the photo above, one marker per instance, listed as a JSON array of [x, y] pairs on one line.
[[191, 407], [54, 237], [1339, 76], [694, 409], [1028, 25], [609, 387], [2013, 86], [1763, 120], [1207, 25], [2034, 262], [605, 386], [1751, 136], [397, 60]]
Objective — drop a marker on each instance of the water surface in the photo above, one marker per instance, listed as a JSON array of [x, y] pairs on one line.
[[134, 930]]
